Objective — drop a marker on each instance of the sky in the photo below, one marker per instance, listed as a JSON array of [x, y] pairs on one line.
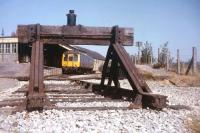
[[155, 21]]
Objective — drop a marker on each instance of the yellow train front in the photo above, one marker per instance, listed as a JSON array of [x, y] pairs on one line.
[[77, 62]]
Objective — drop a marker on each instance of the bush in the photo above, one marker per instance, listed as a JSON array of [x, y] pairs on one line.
[[148, 76], [158, 65]]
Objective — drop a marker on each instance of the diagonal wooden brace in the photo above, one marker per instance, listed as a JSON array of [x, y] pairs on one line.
[[118, 55]]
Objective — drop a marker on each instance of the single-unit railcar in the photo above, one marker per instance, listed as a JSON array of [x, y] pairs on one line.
[[77, 62]]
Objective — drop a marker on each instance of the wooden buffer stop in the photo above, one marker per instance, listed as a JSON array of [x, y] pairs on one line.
[[71, 34]]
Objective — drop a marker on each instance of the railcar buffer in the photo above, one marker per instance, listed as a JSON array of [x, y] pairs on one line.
[[115, 37]]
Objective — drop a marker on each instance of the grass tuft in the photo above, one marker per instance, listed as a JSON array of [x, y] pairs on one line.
[[194, 125]]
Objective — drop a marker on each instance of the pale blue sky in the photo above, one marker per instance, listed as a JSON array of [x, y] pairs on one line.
[[158, 21]]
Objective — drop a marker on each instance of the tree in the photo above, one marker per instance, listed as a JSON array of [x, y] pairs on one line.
[[164, 54], [2, 32], [13, 34], [139, 45], [147, 53]]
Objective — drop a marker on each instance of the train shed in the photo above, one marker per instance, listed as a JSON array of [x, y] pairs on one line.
[[53, 55]]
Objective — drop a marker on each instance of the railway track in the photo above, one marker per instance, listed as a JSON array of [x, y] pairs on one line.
[[77, 95]]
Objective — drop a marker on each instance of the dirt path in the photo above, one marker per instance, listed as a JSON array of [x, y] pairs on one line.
[[161, 74]]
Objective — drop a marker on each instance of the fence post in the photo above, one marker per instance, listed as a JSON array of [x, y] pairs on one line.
[[158, 55], [132, 58], [167, 61], [151, 59], [178, 63], [135, 59], [194, 61]]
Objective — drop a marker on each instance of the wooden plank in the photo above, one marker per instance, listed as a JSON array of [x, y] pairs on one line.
[[189, 67], [135, 78], [87, 108], [106, 65], [32, 70], [74, 35]]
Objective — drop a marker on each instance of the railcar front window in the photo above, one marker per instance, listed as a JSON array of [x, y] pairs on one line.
[[70, 58], [65, 57]]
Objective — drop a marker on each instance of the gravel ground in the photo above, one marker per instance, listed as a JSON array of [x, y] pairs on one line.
[[9, 86], [170, 120], [6, 83], [94, 104]]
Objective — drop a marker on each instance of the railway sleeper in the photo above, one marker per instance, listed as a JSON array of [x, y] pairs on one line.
[[144, 100], [36, 102], [103, 94]]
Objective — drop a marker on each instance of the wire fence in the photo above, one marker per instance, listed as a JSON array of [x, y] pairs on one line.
[[186, 61], [182, 61]]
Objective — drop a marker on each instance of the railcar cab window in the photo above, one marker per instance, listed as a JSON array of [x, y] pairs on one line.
[[65, 57], [70, 58], [75, 57]]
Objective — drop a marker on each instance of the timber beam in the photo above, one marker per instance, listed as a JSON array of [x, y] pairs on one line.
[[73, 35]]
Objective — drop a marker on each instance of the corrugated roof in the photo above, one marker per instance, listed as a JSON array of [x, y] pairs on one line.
[[91, 53]]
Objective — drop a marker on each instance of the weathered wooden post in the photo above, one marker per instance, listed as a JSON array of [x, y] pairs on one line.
[[135, 59], [167, 61], [178, 63], [194, 61], [151, 59], [158, 55], [132, 58]]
